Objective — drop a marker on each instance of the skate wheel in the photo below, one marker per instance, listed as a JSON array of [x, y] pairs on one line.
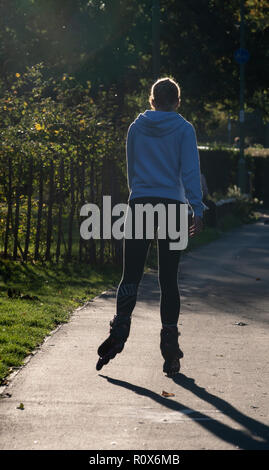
[[99, 364], [110, 355], [171, 369]]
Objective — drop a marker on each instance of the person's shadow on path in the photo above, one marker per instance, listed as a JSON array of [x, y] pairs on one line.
[[243, 439]]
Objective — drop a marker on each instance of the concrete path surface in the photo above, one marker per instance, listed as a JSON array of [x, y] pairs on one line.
[[220, 397]]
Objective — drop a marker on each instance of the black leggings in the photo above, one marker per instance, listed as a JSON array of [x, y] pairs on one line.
[[134, 257]]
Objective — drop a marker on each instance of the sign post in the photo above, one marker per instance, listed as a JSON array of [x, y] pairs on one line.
[[156, 38], [241, 56]]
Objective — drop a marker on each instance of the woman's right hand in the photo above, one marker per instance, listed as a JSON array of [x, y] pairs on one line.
[[197, 226]]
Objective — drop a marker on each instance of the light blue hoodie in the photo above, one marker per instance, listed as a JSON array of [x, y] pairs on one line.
[[163, 160]]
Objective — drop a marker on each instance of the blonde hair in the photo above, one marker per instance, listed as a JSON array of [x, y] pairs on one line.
[[165, 92]]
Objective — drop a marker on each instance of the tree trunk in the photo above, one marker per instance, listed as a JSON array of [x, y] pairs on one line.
[[39, 214], [72, 211], [17, 214], [29, 209], [60, 213], [50, 205], [92, 243], [9, 206], [82, 199]]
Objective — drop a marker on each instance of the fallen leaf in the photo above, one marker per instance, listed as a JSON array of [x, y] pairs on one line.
[[167, 394], [21, 406], [240, 323]]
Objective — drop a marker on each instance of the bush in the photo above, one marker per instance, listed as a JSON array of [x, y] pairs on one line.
[[220, 167]]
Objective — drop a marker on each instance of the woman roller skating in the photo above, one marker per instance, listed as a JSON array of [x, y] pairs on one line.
[[163, 168]]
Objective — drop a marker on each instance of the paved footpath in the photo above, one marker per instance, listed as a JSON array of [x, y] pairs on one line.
[[221, 396]]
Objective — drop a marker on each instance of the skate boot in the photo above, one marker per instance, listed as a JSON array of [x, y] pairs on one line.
[[120, 325], [114, 344], [170, 350]]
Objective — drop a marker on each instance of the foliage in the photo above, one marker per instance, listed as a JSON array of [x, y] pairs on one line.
[[243, 207], [47, 120], [110, 43], [74, 74]]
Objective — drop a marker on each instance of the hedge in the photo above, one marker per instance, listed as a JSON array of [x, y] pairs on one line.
[[220, 167]]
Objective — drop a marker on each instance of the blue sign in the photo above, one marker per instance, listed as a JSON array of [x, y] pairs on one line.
[[241, 55]]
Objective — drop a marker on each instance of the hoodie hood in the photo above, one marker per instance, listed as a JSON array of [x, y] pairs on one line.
[[158, 123]]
